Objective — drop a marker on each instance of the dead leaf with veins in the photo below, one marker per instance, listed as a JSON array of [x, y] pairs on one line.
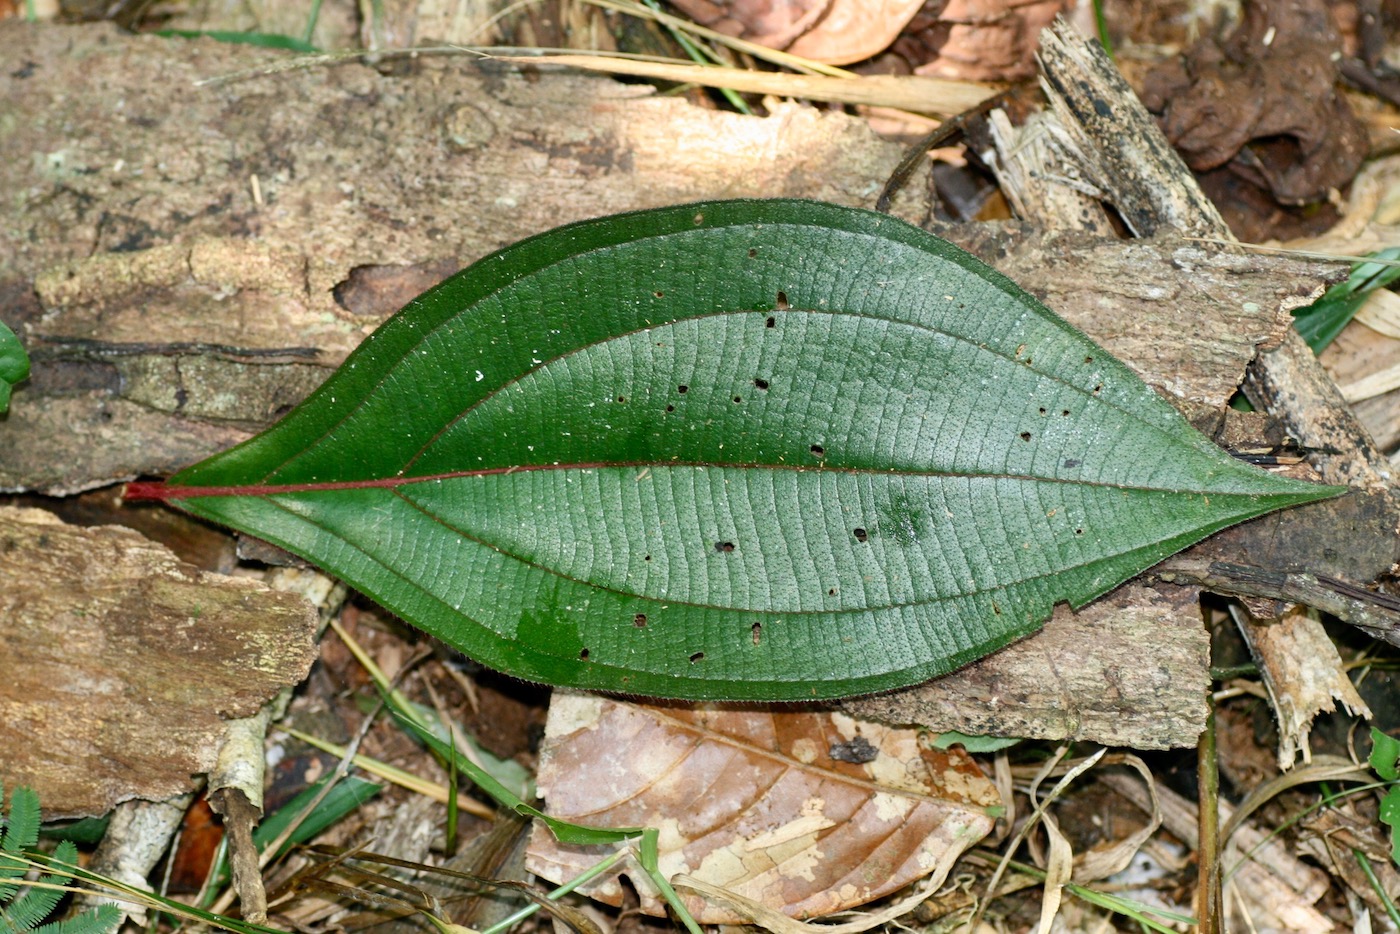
[[767, 804]]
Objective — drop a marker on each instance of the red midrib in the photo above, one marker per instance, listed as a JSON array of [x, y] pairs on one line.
[[140, 491]]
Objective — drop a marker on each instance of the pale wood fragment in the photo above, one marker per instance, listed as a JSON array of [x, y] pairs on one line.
[[1129, 668], [138, 835], [1303, 672], [121, 662]]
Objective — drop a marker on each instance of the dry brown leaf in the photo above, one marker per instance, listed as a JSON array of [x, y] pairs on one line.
[[977, 40], [854, 30], [1059, 862], [808, 813], [1110, 857], [836, 32]]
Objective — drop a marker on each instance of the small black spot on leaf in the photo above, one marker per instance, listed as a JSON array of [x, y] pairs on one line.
[[683, 389], [996, 608], [621, 398], [760, 382], [1088, 359], [697, 657], [861, 535], [659, 294], [772, 322], [1042, 411], [640, 620], [782, 302], [738, 399], [1064, 412], [1025, 436], [757, 630], [670, 408], [1098, 389], [831, 592], [724, 547], [1078, 531], [646, 557], [752, 252], [583, 655], [818, 450], [1072, 462]]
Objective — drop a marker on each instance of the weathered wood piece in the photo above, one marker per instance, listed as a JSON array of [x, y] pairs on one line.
[[1126, 669], [1122, 152], [121, 663], [1303, 673]]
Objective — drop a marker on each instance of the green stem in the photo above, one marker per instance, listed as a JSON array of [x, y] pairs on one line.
[[1379, 889], [311, 21], [582, 878], [699, 57]]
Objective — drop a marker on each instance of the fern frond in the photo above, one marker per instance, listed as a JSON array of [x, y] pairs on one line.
[[10, 867], [101, 920], [22, 827], [24, 907], [29, 908]]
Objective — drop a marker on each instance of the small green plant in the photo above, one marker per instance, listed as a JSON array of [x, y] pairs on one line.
[[14, 365], [23, 907], [1385, 760], [1321, 322]]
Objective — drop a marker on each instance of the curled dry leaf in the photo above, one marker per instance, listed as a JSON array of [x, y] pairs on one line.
[[837, 32], [976, 40], [808, 813]]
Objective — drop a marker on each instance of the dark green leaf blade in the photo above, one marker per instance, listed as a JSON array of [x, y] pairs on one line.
[[746, 450], [14, 364]]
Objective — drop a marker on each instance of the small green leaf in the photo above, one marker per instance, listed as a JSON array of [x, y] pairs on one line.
[[1390, 816], [1320, 323], [262, 39], [1385, 755], [14, 364], [1385, 761], [753, 450]]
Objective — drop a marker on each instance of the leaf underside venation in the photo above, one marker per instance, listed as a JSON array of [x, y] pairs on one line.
[[768, 450]]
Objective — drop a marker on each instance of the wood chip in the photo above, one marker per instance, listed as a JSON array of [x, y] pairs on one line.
[[126, 661]]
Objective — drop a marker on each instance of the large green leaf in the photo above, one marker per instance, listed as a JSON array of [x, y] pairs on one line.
[[745, 450]]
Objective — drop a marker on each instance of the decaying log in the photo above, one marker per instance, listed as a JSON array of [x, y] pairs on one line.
[[188, 262]]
